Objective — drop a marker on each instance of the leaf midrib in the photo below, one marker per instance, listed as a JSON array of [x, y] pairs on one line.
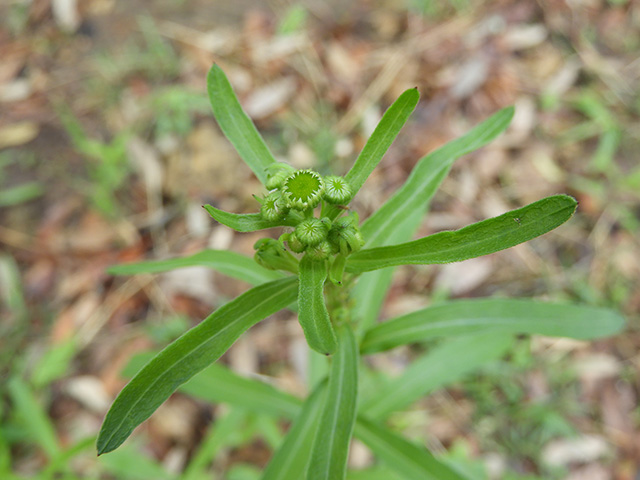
[[410, 258]]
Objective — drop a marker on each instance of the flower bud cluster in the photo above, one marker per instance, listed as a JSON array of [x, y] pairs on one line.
[[295, 193], [300, 190]]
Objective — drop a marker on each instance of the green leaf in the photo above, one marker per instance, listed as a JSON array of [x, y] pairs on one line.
[[371, 289], [236, 125], [427, 175], [312, 311], [382, 137], [228, 263], [218, 384], [379, 142], [440, 366], [404, 457], [379, 472], [482, 238], [247, 222], [331, 445], [189, 354], [461, 317], [54, 363], [292, 458]]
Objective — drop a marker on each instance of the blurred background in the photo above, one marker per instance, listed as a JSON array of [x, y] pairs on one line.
[[108, 149]]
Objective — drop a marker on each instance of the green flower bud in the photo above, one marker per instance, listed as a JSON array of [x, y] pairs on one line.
[[337, 190], [320, 251], [294, 243], [345, 236], [312, 231], [303, 189], [271, 254], [273, 207], [276, 174]]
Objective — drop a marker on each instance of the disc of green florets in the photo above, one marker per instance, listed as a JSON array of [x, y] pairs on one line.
[[337, 190], [273, 207], [303, 189], [276, 175], [311, 231]]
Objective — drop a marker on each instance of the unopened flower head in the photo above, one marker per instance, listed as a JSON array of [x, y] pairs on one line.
[[312, 231], [276, 175], [273, 207], [337, 190], [320, 251]]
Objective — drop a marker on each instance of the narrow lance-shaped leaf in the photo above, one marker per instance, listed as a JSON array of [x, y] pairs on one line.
[[312, 311], [379, 142], [426, 176], [247, 222], [496, 315], [188, 355], [228, 263], [236, 125], [440, 366], [218, 384], [482, 238], [331, 445], [382, 137], [405, 211], [292, 458], [412, 461]]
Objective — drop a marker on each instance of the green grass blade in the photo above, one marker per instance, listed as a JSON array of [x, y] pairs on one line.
[[33, 417], [218, 384], [188, 355], [236, 125], [228, 263], [331, 445], [292, 458], [402, 456], [312, 311], [482, 238], [441, 366], [246, 222], [427, 175], [462, 317]]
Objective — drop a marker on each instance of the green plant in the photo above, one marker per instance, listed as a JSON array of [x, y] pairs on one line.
[[338, 270], [107, 164]]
